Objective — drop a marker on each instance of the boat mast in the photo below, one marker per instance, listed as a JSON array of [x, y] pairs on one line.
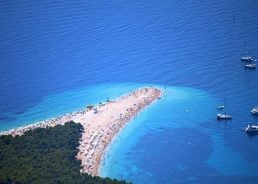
[[226, 107], [246, 52], [245, 48], [225, 112]]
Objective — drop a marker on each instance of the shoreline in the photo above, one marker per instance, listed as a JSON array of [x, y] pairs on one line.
[[100, 123], [100, 130], [116, 137]]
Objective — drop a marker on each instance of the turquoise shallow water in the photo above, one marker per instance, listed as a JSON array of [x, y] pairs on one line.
[[56, 57], [177, 138], [69, 101]]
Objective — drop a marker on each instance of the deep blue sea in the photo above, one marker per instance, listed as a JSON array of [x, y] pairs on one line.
[[58, 56]]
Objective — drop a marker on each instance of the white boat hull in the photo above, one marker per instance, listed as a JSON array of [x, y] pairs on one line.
[[250, 66], [223, 117], [251, 129]]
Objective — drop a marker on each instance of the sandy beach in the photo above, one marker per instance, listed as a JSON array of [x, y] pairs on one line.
[[101, 123]]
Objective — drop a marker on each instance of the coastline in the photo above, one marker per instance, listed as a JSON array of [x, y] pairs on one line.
[[101, 124], [100, 130], [116, 138]]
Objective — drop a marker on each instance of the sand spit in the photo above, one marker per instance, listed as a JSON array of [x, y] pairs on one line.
[[101, 123]]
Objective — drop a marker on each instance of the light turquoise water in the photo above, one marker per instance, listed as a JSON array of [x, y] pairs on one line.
[[69, 101], [58, 56], [180, 110], [172, 137]]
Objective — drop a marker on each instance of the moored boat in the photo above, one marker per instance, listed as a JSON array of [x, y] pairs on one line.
[[246, 58], [220, 107], [250, 66], [223, 116], [250, 129], [254, 111]]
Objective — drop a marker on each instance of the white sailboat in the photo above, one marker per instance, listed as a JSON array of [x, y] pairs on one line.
[[224, 116], [251, 129], [246, 56], [250, 66], [254, 111]]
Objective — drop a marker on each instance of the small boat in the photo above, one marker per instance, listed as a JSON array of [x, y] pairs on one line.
[[220, 107], [246, 57], [250, 66], [254, 111], [251, 129], [224, 116]]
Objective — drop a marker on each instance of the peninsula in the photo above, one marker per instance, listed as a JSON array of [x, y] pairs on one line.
[[100, 124]]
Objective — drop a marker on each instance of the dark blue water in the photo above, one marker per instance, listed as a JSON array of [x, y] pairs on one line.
[[59, 56]]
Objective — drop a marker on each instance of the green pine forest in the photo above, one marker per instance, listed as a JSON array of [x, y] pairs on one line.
[[45, 156]]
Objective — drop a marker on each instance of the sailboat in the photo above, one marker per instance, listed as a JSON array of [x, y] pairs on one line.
[[250, 66], [251, 129], [246, 57], [224, 116], [254, 111]]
